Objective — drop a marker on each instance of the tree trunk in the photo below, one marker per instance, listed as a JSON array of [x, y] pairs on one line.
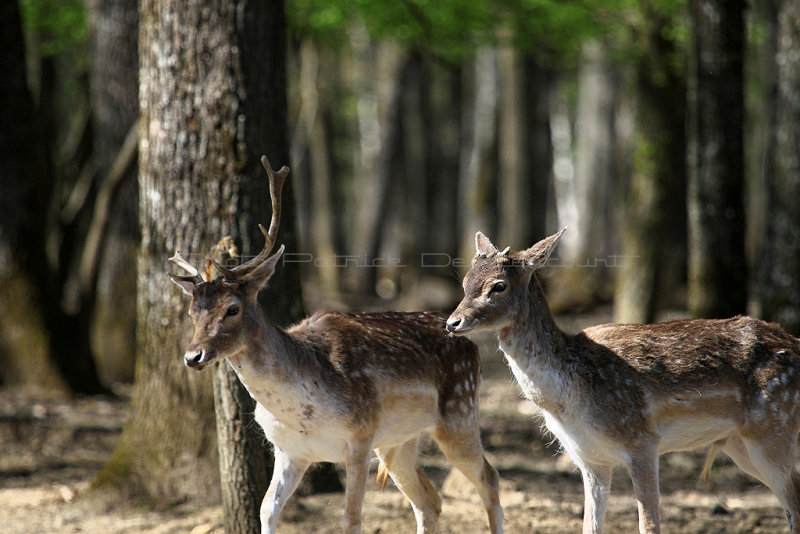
[[477, 184], [415, 227], [779, 263], [213, 99], [442, 100], [311, 157], [431, 125], [563, 161], [380, 204], [46, 243], [538, 147], [717, 265], [512, 181], [114, 84], [594, 184], [595, 138], [654, 233], [23, 174]]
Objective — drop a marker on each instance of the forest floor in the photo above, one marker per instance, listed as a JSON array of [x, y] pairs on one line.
[[51, 448]]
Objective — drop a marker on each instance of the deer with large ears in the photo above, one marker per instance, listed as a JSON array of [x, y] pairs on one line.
[[337, 386], [623, 394]]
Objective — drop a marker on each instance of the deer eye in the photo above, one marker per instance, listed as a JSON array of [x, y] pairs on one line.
[[498, 287], [233, 310]]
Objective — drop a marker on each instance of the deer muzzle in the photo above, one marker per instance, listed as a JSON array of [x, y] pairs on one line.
[[457, 324], [196, 359]]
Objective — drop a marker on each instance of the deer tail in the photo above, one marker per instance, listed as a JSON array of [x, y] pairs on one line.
[[712, 454], [382, 477]]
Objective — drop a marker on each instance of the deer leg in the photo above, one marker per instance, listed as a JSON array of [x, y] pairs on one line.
[[596, 487], [463, 449], [401, 464], [773, 458], [643, 468], [357, 465], [286, 475]]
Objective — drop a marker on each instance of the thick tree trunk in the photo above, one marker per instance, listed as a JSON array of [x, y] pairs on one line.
[[654, 233], [780, 261], [213, 100], [717, 265]]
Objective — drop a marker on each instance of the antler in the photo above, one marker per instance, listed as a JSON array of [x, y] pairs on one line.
[[183, 263], [276, 181], [214, 258]]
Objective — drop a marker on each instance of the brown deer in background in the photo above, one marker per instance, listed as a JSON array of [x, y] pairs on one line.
[[623, 394], [338, 385]]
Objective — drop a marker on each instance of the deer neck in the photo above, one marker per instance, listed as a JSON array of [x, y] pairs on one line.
[[536, 351], [271, 364]]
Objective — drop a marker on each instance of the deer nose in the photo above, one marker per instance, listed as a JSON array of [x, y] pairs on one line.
[[452, 324], [193, 358]]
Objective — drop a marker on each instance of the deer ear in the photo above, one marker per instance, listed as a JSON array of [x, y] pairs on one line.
[[186, 283], [537, 256], [483, 247], [261, 274]]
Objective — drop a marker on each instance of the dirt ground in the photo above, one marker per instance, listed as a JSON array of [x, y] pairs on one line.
[[51, 448]]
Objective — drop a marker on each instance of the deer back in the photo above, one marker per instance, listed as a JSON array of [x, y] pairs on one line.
[[740, 351], [363, 351]]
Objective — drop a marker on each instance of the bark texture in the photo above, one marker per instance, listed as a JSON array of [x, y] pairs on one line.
[[717, 265], [212, 94]]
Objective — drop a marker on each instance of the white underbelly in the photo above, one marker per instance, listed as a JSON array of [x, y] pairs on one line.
[[319, 443], [696, 417], [692, 433], [581, 443], [407, 412]]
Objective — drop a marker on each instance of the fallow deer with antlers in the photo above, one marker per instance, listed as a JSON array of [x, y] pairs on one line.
[[337, 386], [623, 393]]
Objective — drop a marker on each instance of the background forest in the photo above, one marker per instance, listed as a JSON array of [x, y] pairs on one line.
[[665, 135]]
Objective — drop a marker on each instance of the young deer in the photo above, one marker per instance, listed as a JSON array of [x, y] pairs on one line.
[[338, 385], [623, 394]]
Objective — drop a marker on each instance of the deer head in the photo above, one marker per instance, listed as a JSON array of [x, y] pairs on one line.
[[497, 284], [225, 309]]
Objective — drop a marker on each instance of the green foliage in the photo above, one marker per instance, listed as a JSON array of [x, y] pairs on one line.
[[59, 24], [556, 29], [454, 29], [450, 29]]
